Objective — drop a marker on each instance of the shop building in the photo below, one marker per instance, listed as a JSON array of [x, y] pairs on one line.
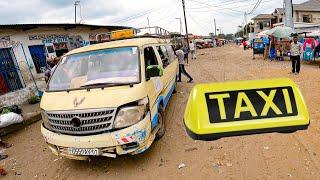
[[25, 47]]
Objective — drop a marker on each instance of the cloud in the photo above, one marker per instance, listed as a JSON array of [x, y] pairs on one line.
[[200, 13]]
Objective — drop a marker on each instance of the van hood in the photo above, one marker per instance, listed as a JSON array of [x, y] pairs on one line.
[[109, 97]]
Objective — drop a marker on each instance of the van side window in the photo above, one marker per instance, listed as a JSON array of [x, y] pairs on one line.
[[171, 53], [163, 55], [149, 57]]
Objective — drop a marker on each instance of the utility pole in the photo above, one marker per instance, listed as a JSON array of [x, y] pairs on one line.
[[245, 25], [215, 27], [76, 3], [288, 13], [185, 22]]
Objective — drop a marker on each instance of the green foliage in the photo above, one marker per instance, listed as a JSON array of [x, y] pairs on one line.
[[34, 100], [5, 111]]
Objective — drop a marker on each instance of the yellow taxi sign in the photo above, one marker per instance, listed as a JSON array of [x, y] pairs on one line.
[[121, 34], [244, 107]]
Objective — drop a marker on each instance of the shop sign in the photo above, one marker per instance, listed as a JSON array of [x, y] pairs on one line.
[[56, 40], [47, 36]]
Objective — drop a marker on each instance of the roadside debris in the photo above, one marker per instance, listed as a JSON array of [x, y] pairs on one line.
[[2, 171], [161, 162], [228, 164], [4, 145], [57, 159], [217, 166], [181, 165], [191, 149], [212, 148], [3, 156], [17, 173], [10, 115]]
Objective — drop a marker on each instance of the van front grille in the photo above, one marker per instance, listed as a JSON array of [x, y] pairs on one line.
[[82, 122]]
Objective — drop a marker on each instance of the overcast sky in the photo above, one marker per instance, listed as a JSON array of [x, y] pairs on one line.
[[200, 13]]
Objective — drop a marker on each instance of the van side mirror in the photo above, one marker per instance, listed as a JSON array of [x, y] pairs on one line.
[[154, 71]]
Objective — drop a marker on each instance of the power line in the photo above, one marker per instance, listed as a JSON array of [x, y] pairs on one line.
[[128, 18], [221, 5], [171, 12], [200, 27], [213, 6], [211, 10], [255, 7]]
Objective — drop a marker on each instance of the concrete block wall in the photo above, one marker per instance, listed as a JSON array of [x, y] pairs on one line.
[[17, 97]]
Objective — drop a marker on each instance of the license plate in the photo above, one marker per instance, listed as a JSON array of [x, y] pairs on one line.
[[83, 151]]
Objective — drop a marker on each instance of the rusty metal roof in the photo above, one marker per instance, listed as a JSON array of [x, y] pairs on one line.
[[263, 16], [26, 27]]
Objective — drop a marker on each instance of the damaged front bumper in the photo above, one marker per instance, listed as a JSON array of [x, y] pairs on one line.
[[132, 140]]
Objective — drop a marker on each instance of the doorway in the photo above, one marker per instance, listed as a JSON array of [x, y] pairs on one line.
[[39, 57]]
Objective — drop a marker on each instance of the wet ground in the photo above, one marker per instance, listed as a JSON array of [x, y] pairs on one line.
[[263, 156]]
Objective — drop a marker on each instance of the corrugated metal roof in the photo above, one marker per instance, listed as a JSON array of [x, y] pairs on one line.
[[263, 16], [64, 25], [311, 5]]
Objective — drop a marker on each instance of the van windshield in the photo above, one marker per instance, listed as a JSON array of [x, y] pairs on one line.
[[101, 67]]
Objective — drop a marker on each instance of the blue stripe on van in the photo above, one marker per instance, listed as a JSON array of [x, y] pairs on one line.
[[154, 119]]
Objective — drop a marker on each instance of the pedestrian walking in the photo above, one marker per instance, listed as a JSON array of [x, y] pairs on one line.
[[295, 50], [181, 59], [186, 54], [192, 48], [245, 44], [273, 52]]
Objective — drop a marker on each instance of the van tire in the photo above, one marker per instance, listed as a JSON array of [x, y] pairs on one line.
[[175, 89], [175, 86], [161, 121]]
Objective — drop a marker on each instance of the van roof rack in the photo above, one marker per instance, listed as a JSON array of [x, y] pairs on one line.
[[153, 31], [145, 32]]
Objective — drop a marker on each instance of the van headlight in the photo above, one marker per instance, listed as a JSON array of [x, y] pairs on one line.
[[45, 119], [130, 115]]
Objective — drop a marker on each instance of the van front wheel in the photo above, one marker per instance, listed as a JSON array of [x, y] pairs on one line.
[[175, 89], [161, 121]]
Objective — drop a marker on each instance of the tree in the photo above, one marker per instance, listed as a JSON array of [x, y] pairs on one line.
[[221, 36], [229, 37], [239, 33]]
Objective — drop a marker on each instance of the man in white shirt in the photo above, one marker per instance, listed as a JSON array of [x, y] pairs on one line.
[[180, 54], [192, 48], [295, 51]]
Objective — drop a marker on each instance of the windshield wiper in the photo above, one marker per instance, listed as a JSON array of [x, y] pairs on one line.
[[103, 85]]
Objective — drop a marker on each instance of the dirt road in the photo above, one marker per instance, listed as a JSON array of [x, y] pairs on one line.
[[264, 156]]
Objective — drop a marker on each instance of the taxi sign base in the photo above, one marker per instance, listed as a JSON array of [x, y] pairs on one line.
[[211, 137]]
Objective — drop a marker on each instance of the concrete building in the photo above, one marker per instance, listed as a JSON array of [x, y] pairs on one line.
[[262, 22], [306, 18], [307, 12], [25, 47]]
